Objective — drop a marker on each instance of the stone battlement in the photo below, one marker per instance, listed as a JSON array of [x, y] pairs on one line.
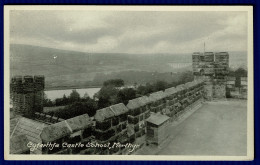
[[117, 123], [27, 94], [27, 84], [45, 118], [210, 63], [213, 68], [122, 123], [131, 123], [141, 121]]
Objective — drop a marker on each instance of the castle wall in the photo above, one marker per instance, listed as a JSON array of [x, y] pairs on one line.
[[111, 127], [243, 89], [214, 70], [121, 124], [27, 94], [236, 92], [139, 110], [127, 123]]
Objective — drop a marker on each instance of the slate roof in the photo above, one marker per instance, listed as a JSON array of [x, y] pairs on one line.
[[30, 128], [104, 113], [157, 119], [18, 144], [133, 104], [13, 123], [179, 87], [157, 96], [119, 109], [138, 102], [64, 128], [170, 91], [188, 84], [144, 100], [55, 131], [109, 112]]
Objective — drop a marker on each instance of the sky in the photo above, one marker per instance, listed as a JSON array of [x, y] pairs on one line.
[[138, 32]]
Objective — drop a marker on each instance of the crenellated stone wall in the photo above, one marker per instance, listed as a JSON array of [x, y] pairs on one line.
[[143, 120], [213, 68], [120, 124], [27, 94], [45, 118], [243, 89], [133, 123], [110, 127], [236, 92]]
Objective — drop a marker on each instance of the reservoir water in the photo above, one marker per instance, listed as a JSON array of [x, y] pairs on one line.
[[54, 94]]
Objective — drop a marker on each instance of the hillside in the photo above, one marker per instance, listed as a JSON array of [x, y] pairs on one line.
[[71, 68]]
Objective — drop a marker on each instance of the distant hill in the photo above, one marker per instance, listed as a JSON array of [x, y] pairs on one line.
[[72, 68]]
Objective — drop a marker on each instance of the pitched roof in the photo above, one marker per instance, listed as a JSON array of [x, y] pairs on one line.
[[133, 104], [119, 109], [188, 84], [170, 91], [64, 128], [144, 100], [13, 123], [30, 128], [55, 131], [18, 144], [108, 112], [157, 119], [103, 114], [157, 95], [79, 122], [179, 87], [138, 102]]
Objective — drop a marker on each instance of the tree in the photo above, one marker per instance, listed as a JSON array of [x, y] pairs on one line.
[[186, 77], [59, 102], [77, 108], [241, 72], [47, 102], [114, 82], [74, 96], [126, 94], [86, 96], [141, 90], [107, 96], [160, 85], [149, 88], [65, 100]]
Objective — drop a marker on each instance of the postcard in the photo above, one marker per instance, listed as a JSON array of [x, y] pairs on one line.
[[128, 83]]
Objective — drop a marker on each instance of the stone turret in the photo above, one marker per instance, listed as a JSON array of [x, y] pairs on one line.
[[213, 68], [27, 94]]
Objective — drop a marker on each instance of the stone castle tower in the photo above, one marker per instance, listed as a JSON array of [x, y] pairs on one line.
[[27, 93], [213, 68]]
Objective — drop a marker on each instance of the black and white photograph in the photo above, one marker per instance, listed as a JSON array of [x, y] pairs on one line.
[[125, 82]]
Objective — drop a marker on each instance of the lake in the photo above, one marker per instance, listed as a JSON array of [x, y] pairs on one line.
[[54, 94]]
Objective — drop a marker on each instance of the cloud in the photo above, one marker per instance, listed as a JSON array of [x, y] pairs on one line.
[[131, 32]]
